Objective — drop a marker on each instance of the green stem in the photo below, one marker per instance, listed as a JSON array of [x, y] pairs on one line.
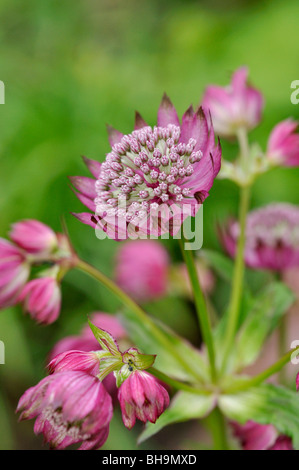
[[282, 342], [176, 384], [201, 308], [217, 426], [134, 307], [238, 276], [258, 379]]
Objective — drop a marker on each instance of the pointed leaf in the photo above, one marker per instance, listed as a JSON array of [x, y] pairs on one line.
[[107, 342]]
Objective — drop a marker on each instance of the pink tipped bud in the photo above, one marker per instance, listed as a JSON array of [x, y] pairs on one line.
[[283, 145], [33, 236], [42, 299], [142, 397], [69, 407], [75, 360], [14, 273], [237, 106]]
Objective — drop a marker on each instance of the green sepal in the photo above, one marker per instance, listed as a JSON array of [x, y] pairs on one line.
[[107, 341]]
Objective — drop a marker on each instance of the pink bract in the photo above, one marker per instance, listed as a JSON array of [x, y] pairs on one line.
[[255, 436]]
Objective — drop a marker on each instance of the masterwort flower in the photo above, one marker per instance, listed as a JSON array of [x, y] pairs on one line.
[[41, 298], [70, 407], [272, 237], [141, 396], [153, 178], [142, 269], [234, 107]]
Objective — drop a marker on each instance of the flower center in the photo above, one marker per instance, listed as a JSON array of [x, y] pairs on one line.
[[145, 169]]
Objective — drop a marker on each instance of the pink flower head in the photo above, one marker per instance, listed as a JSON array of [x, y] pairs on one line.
[[75, 360], [33, 236], [141, 396], [272, 237], [42, 299], [255, 436], [69, 407], [236, 106], [14, 273], [283, 145], [142, 269], [153, 178]]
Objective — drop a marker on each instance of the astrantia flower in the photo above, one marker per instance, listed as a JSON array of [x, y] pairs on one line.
[[153, 178], [14, 273], [142, 269], [283, 145], [69, 407], [41, 298], [235, 106], [255, 436], [141, 396], [34, 236], [272, 237]]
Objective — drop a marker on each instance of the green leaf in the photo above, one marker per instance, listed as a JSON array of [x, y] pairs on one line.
[[107, 342], [266, 404], [145, 337], [263, 318], [184, 406], [220, 263]]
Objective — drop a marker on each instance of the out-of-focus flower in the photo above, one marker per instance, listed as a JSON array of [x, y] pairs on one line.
[[69, 407], [83, 361], [153, 178], [142, 269], [235, 106], [14, 273], [34, 236], [180, 281], [41, 298], [283, 145], [255, 436], [272, 237], [141, 396]]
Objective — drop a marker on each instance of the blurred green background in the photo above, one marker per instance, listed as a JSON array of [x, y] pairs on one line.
[[71, 67]]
